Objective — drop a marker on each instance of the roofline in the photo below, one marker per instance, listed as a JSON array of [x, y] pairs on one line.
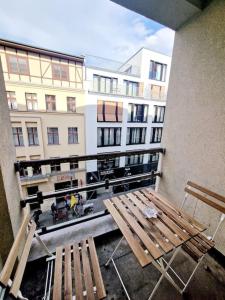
[[44, 51], [140, 51], [111, 71]]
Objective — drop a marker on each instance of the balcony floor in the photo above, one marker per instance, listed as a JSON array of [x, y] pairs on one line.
[[138, 281]]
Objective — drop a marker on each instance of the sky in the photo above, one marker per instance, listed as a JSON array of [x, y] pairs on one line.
[[82, 27]]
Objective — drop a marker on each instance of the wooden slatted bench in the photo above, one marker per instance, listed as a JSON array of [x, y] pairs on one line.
[[6, 278], [77, 272], [198, 246]]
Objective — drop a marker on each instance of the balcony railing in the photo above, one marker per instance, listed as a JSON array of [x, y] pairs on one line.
[[145, 176]]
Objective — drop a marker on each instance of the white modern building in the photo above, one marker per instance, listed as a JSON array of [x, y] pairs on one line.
[[125, 110]]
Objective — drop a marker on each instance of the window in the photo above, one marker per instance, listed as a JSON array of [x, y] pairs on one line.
[[32, 190], [32, 136], [156, 134], [134, 160], [109, 137], [108, 164], [11, 97], [109, 111], [74, 165], [60, 72], [158, 92], [53, 135], [157, 71], [105, 84], [50, 103], [55, 168], [18, 136], [18, 64], [71, 104], [135, 135], [137, 112], [153, 158], [159, 114], [72, 135], [131, 88], [31, 100]]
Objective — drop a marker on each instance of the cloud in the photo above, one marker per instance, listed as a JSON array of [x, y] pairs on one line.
[[99, 27]]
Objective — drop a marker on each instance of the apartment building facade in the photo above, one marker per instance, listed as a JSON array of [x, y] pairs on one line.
[[125, 111], [45, 95]]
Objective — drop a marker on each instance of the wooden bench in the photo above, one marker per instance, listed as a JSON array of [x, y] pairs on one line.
[[5, 277], [198, 246], [77, 272]]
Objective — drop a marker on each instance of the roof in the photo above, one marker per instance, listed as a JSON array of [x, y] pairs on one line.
[[52, 53]]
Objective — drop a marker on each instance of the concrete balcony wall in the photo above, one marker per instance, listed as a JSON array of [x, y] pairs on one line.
[[194, 129]]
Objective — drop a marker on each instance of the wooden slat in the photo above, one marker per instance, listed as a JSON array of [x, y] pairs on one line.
[[206, 200], [138, 251], [22, 263], [198, 245], [203, 237], [10, 261], [77, 273], [191, 220], [206, 191], [190, 252], [148, 225], [87, 272], [96, 269], [145, 239], [194, 249], [67, 274], [57, 289], [183, 223], [171, 224]]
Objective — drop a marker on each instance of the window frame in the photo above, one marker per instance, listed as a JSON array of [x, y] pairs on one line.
[[116, 113], [127, 83], [143, 130], [68, 102], [11, 98], [162, 110], [74, 136], [154, 132], [112, 81], [103, 144], [163, 72], [27, 73], [140, 159], [131, 115], [60, 66], [32, 135], [32, 100], [53, 135], [19, 136], [47, 101]]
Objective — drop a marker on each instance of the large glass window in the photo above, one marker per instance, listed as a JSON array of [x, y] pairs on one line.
[[17, 136], [109, 111], [60, 72], [18, 64], [159, 114], [131, 88], [156, 134], [109, 136], [105, 84], [31, 99], [137, 112], [136, 135], [71, 104], [11, 97], [134, 160], [53, 135], [32, 136], [72, 135], [108, 164], [50, 103], [157, 71]]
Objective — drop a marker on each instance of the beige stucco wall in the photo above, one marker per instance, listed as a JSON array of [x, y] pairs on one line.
[[194, 131]]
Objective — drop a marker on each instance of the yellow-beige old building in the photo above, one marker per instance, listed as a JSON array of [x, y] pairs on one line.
[[46, 100]]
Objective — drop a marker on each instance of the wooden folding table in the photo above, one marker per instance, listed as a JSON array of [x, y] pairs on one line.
[[152, 238]]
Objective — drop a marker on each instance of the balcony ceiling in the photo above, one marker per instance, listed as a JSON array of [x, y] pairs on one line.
[[170, 13]]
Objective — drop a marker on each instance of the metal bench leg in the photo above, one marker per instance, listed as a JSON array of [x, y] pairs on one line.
[[114, 251], [163, 271]]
